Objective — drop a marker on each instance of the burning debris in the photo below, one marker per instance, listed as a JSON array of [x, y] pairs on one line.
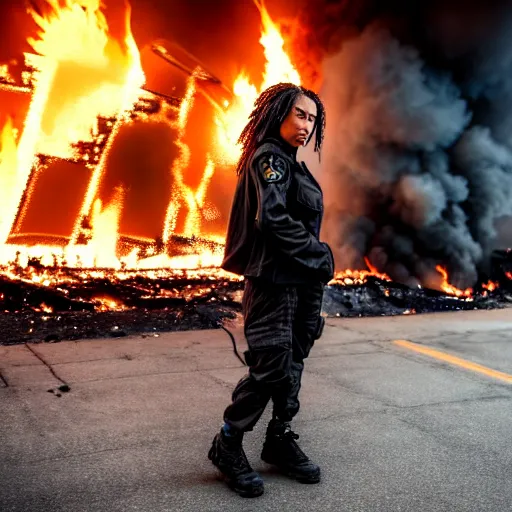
[[56, 303], [364, 293], [52, 304], [384, 298]]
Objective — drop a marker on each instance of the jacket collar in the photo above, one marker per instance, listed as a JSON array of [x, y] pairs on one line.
[[284, 146]]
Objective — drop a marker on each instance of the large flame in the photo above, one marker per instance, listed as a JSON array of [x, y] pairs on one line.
[[278, 68], [83, 73], [80, 74]]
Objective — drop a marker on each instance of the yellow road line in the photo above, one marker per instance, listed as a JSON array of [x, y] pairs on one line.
[[448, 358]]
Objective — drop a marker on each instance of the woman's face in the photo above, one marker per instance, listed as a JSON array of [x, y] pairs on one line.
[[299, 124]]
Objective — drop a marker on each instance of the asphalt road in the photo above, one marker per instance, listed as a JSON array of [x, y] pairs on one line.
[[394, 429]]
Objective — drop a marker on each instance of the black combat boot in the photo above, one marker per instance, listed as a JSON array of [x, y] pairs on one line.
[[281, 450], [228, 455]]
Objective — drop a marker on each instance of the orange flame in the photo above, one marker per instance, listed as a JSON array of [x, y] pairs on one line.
[[45, 308], [88, 74], [128, 89], [181, 193], [80, 74], [372, 269], [509, 275], [278, 68], [196, 200], [448, 288], [490, 286], [8, 179], [108, 304], [350, 277], [5, 75]]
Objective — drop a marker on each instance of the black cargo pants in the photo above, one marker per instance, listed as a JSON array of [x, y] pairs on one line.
[[281, 324]]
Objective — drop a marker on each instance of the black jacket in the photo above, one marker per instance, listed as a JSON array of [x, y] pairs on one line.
[[275, 220]]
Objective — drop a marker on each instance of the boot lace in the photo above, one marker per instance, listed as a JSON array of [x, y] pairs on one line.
[[290, 434], [293, 449]]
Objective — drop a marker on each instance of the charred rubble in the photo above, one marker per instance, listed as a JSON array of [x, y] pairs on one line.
[[71, 304], [98, 304]]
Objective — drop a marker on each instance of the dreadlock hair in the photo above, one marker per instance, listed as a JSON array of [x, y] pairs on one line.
[[270, 110]]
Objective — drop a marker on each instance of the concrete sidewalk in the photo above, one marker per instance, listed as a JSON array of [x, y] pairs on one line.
[[392, 429]]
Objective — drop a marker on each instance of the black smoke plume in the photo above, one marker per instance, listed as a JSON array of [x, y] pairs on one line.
[[417, 161]]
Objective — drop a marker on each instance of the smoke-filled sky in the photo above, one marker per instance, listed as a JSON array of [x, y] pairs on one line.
[[417, 164]]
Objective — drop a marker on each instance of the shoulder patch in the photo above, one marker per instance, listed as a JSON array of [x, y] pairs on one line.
[[273, 168]]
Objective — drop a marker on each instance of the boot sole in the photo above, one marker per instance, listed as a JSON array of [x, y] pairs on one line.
[[242, 492], [313, 478]]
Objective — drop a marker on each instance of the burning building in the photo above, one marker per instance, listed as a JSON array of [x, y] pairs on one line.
[[115, 195], [87, 117]]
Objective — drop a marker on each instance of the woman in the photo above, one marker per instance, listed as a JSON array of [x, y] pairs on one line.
[[273, 240]]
